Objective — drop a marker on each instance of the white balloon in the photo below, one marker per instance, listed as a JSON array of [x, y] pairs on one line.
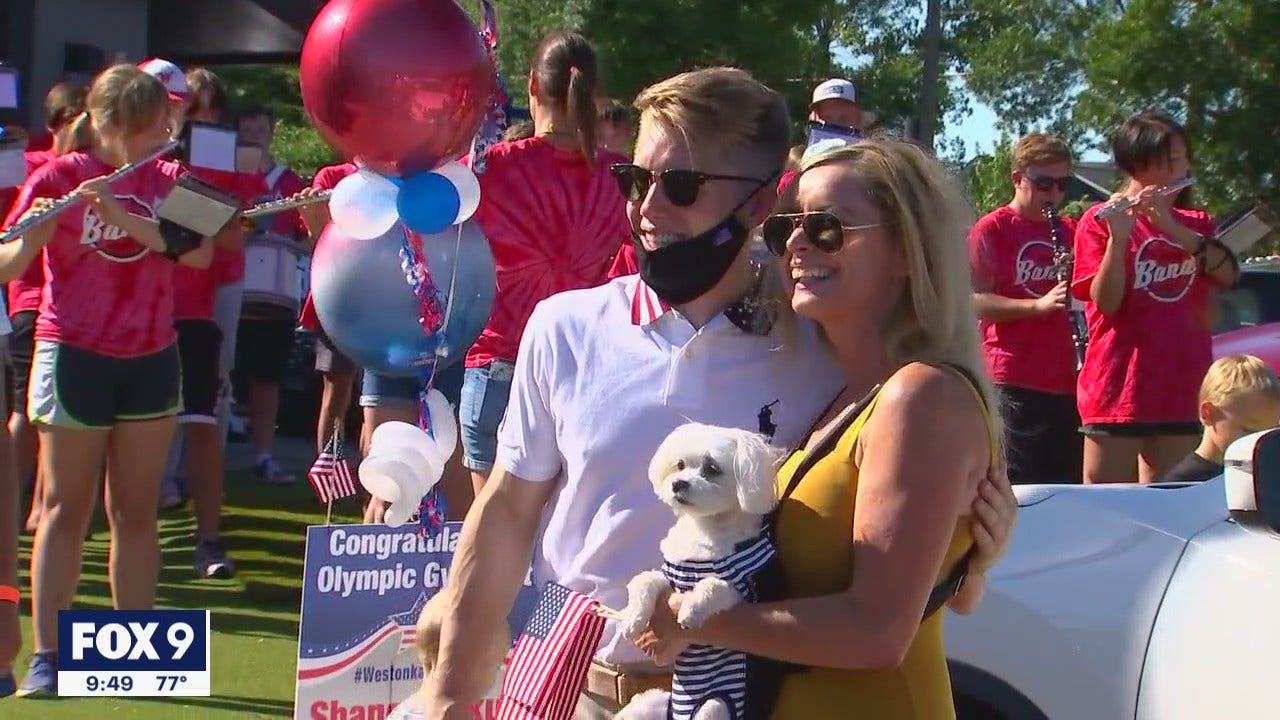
[[363, 205], [378, 479], [399, 513], [396, 433], [467, 185], [444, 425]]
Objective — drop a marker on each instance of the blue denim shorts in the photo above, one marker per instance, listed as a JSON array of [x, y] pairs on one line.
[[387, 391], [485, 391]]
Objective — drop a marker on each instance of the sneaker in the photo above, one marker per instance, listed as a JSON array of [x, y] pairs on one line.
[[42, 676], [212, 560], [269, 472], [8, 685]]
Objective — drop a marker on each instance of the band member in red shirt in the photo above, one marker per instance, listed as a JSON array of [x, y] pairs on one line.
[[62, 105], [337, 371], [1148, 276], [1021, 295], [265, 334], [105, 378]]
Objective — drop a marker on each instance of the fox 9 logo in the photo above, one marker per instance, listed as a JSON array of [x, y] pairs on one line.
[[133, 640]]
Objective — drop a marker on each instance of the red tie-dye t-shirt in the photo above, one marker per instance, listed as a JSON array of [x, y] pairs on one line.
[[24, 293], [103, 291], [326, 179], [1012, 256], [1146, 361], [555, 223]]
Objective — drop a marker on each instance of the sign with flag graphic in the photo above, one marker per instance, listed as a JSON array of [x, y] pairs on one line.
[[330, 475], [362, 590], [549, 663]]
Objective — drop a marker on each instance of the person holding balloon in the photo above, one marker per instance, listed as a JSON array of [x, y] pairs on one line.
[[554, 219], [105, 381]]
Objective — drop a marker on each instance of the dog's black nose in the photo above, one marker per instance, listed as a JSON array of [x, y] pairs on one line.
[[679, 485]]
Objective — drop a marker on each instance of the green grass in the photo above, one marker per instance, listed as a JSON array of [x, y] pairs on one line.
[[254, 648]]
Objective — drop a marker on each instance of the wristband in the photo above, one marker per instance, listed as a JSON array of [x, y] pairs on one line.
[[8, 593]]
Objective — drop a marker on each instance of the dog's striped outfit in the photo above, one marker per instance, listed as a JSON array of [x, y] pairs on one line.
[[703, 672]]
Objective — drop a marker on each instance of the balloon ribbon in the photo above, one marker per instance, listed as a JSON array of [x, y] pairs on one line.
[[431, 511]]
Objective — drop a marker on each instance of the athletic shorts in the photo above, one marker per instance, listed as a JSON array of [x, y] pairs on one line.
[[76, 388], [22, 343], [263, 348], [199, 345], [1143, 429]]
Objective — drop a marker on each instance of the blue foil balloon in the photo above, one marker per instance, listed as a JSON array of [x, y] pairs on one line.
[[369, 312], [428, 203]]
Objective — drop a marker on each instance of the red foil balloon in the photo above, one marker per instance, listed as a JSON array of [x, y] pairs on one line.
[[403, 85]]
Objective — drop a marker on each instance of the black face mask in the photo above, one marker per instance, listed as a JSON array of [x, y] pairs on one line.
[[683, 270]]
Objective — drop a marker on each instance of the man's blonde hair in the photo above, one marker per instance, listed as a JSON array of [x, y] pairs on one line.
[[1235, 375], [1039, 149], [722, 110]]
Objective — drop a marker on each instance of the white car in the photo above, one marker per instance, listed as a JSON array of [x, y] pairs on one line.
[[1128, 602]]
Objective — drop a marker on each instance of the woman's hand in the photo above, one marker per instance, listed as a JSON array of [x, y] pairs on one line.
[[1121, 223], [374, 511], [664, 639], [98, 194], [995, 510], [38, 205], [315, 215], [1157, 207]]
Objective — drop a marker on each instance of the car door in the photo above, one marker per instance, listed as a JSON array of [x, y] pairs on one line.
[[1212, 649]]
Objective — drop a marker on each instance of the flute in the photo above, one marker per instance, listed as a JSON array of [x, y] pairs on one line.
[[278, 206], [1121, 205], [1064, 264], [63, 203]]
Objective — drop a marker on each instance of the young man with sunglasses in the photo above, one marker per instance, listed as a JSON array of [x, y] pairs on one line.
[[1021, 276], [603, 375]]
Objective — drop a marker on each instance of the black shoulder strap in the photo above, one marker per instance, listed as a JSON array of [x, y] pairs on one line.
[[829, 439], [945, 590]]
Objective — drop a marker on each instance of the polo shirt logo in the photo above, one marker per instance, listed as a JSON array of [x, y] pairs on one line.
[[765, 420]]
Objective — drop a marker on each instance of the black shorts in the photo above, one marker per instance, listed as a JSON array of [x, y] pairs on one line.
[[1043, 439], [199, 346], [262, 348], [76, 388], [22, 345], [329, 359], [1142, 429]]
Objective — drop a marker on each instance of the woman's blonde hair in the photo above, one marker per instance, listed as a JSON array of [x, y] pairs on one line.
[[933, 320], [122, 97], [1235, 375]]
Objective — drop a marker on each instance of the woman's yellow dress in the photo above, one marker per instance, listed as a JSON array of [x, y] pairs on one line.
[[815, 545]]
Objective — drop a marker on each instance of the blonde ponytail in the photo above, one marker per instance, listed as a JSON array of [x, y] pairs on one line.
[[79, 136]]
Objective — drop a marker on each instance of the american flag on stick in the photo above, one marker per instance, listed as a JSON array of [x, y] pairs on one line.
[[550, 660], [330, 475]]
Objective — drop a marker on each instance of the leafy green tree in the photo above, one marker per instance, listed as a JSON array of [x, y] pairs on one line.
[[276, 87]]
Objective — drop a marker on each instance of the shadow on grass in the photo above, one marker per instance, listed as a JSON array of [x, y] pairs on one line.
[[231, 703]]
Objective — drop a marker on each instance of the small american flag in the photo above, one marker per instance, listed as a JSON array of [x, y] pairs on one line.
[[550, 660], [330, 475]]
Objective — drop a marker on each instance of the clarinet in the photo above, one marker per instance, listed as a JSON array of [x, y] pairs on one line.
[[1064, 265]]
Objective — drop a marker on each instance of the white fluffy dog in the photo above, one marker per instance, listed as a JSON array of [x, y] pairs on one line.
[[720, 484]]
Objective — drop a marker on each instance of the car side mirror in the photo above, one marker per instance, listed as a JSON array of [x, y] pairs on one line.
[[1253, 478]]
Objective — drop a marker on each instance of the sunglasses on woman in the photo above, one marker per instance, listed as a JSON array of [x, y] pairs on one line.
[[824, 230], [680, 186]]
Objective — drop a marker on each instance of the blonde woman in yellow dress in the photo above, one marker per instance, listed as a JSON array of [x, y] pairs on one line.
[[883, 517]]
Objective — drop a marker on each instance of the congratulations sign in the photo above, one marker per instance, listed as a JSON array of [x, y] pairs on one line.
[[363, 588]]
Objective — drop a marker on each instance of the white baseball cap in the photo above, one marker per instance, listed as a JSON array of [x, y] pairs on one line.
[[834, 89], [175, 81]]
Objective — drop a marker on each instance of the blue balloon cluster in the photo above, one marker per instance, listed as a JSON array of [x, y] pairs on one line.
[[428, 202], [371, 314]]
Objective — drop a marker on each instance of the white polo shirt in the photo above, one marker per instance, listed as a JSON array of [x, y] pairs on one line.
[[602, 376]]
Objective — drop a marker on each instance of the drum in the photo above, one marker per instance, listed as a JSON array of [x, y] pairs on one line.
[[271, 277]]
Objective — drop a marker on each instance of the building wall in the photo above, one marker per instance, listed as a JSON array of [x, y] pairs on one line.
[[112, 27]]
